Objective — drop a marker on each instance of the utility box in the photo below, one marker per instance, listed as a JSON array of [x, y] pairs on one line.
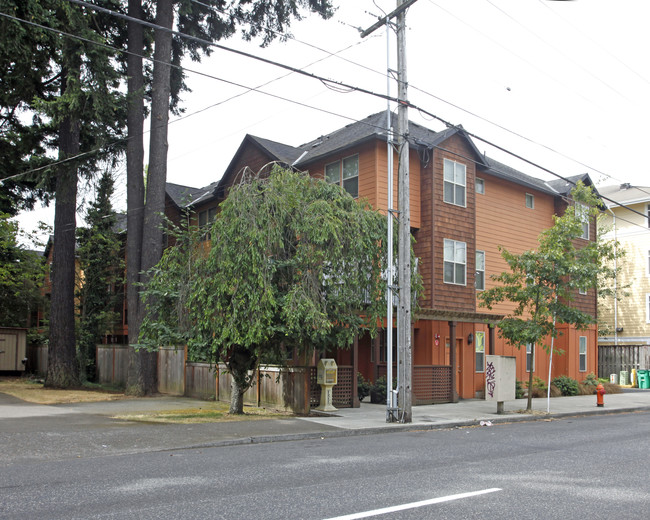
[[326, 377], [13, 349], [500, 379]]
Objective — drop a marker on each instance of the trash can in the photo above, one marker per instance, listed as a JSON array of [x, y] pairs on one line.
[[613, 378], [622, 378], [644, 379]]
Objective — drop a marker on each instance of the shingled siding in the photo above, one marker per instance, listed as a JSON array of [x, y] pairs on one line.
[[423, 246], [455, 223], [502, 219]]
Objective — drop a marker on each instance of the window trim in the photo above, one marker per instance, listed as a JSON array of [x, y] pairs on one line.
[[582, 211], [530, 197], [453, 262], [647, 307], [477, 252], [582, 355], [479, 342], [530, 362], [648, 264], [341, 181], [582, 291], [479, 182], [454, 183]]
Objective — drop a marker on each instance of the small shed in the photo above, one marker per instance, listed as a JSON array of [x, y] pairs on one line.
[[13, 349]]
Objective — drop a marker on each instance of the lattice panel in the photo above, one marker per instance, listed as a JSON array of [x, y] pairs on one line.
[[431, 384], [341, 393]]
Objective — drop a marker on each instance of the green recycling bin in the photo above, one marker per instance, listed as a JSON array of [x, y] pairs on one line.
[[644, 379]]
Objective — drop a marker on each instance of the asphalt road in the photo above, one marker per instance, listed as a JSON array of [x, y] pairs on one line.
[[588, 467]]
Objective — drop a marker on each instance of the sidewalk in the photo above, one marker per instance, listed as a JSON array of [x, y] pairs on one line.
[[40, 432]]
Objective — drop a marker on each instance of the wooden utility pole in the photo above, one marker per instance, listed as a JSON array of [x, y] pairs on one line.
[[404, 229], [404, 367]]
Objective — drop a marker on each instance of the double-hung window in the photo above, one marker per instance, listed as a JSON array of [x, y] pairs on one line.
[[455, 262], [530, 201], [582, 212], [479, 350], [582, 354], [479, 280], [345, 173], [530, 361], [455, 175]]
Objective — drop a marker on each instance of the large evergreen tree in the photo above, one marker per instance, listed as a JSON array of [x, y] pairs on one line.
[[210, 20], [101, 273]]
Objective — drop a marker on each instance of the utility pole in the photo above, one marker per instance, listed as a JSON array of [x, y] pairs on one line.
[[404, 367]]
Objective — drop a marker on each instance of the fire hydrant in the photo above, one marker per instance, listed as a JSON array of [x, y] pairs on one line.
[[600, 392]]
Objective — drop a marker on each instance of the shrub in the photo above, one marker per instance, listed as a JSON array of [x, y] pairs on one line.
[[378, 390], [591, 380], [539, 387], [566, 385], [363, 386], [519, 389]]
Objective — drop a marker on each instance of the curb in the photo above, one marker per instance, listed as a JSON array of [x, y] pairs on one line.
[[399, 428]]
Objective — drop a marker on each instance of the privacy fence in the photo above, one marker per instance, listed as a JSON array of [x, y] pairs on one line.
[[612, 359]]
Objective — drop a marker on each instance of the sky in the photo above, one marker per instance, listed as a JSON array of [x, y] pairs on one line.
[[564, 84]]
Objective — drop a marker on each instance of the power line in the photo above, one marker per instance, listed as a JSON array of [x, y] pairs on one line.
[[287, 67]]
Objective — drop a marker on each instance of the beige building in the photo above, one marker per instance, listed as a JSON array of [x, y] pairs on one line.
[[627, 322]]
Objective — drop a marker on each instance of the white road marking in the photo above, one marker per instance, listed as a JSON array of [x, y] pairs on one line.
[[413, 505]]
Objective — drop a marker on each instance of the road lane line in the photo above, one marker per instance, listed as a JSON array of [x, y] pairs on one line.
[[413, 505]]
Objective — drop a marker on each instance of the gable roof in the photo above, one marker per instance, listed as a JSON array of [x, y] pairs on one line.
[[182, 195], [624, 194]]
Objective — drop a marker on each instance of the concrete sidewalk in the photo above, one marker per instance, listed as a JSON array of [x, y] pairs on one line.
[[40, 432]]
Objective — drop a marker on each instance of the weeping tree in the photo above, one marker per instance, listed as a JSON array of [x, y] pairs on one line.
[[542, 284], [209, 21], [292, 263]]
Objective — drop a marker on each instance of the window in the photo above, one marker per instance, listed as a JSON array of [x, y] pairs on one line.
[[345, 173], [582, 354], [530, 201], [479, 280], [648, 213], [454, 183], [582, 291], [582, 212], [647, 308], [530, 361], [207, 216], [479, 349], [648, 263], [480, 186], [455, 262]]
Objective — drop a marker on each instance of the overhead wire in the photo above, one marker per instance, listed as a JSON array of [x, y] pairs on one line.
[[287, 67]]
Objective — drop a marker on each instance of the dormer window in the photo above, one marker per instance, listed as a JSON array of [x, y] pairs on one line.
[[345, 173]]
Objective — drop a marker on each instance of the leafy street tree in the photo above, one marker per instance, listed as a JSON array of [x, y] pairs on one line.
[[101, 271], [211, 20], [542, 283], [293, 263], [21, 277]]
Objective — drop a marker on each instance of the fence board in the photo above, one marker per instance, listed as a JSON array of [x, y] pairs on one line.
[[614, 358], [112, 364], [200, 381], [171, 370]]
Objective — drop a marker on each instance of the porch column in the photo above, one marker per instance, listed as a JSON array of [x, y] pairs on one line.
[[453, 361], [491, 339], [355, 370]]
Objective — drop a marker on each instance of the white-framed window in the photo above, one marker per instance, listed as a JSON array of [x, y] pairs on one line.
[[479, 280], [647, 308], [530, 361], [345, 173], [479, 350], [455, 262], [582, 212], [455, 175], [648, 263], [648, 213], [582, 353], [480, 186], [530, 201], [582, 291]]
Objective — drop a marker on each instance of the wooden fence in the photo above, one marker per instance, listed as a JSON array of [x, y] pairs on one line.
[[112, 364], [171, 370], [614, 358], [342, 396], [200, 381]]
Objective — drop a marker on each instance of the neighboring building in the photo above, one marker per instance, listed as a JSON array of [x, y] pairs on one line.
[[463, 206], [627, 322]]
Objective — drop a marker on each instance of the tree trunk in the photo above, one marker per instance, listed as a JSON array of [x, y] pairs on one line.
[[142, 252], [63, 368], [240, 364], [236, 397]]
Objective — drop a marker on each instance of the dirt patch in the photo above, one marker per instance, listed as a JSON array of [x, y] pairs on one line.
[[33, 391], [212, 412]]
